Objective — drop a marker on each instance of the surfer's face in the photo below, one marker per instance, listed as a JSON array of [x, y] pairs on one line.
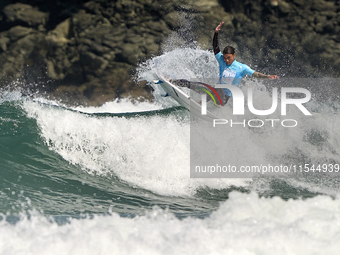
[[229, 58]]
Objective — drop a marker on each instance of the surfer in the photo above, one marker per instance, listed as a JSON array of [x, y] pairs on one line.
[[232, 71]]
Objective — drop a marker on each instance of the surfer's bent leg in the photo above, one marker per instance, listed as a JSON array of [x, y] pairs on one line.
[[223, 96], [196, 86], [226, 98]]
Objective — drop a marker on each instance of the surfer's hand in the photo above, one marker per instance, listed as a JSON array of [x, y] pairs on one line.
[[218, 28], [273, 77]]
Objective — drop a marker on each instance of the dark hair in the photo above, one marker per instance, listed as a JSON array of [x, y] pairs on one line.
[[229, 50]]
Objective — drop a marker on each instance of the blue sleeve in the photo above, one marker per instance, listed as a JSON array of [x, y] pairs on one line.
[[219, 57], [247, 70]]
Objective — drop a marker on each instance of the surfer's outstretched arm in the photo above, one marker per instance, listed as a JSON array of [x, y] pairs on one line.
[[215, 40], [265, 76]]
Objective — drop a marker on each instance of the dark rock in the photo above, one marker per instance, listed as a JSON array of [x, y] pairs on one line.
[[129, 53], [285, 8], [313, 44], [17, 32], [88, 49], [172, 20], [320, 5], [93, 64], [329, 28], [4, 41], [25, 14], [299, 2]]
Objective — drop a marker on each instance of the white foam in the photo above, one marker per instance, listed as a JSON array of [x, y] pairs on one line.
[[149, 152], [243, 225], [121, 106], [154, 152], [181, 63], [9, 96]]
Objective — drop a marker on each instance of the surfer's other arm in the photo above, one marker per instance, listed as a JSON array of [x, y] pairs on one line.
[[264, 76], [215, 40]]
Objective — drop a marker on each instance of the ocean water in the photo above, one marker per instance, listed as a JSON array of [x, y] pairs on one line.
[[115, 179]]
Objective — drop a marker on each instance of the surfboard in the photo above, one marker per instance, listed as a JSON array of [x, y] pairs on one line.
[[184, 99]]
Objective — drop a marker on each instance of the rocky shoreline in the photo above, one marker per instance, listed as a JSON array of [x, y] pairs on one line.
[[86, 52]]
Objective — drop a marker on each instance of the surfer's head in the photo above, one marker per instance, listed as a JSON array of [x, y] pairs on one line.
[[229, 55]]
